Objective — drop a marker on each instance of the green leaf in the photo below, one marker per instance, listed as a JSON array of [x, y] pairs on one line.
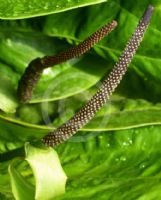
[[8, 77], [118, 113], [25, 9], [15, 133], [5, 188], [125, 114], [50, 178], [83, 24], [20, 188], [18, 49], [114, 165], [133, 155]]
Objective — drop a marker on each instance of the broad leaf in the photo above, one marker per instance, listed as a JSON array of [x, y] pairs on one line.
[[114, 165], [20, 188], [8, 78], [25, 9], [14, 133], [118, 113]]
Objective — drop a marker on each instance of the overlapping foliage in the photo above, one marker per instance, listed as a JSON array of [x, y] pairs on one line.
[[116, 156]]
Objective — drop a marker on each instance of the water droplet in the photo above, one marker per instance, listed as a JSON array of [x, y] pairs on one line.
[[130, 142], [123, 158], [125, 144], [142, 165], [9, 42], [108, 145]]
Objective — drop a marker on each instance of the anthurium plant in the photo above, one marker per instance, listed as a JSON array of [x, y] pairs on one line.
[[80, 108]]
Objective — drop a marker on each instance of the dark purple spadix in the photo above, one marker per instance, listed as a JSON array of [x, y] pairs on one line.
[[87, 112], [33, 72]]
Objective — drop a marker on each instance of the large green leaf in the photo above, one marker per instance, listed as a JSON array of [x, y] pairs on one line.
[[118, 113], [19, 49], [14, 134], [8, 78], [5, 188], [25, 9], [114, 165], [20, 188]]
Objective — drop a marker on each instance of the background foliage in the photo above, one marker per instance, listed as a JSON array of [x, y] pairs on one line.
[[116, 156]]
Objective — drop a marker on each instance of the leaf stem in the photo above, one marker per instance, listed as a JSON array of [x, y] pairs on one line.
[[19, 152]]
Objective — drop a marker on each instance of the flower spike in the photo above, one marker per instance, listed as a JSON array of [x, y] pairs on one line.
[[82, 117], [33, 72]]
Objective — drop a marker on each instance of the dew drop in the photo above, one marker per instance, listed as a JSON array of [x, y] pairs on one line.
[[123, 158], [125, 144], [9, 42], [108, 145], [130, 141], [142, 165]]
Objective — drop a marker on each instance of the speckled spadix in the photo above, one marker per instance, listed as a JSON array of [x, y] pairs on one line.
[[87, 112], [33, 72]]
